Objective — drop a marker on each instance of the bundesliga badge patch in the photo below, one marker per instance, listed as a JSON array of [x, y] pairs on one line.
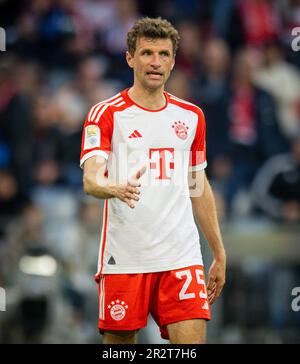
[[92, 137]]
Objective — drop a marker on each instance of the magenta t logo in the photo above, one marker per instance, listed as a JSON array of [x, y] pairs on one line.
[[163, 159]]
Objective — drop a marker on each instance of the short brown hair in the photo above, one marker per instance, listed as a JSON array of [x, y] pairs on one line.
[[152, 28]]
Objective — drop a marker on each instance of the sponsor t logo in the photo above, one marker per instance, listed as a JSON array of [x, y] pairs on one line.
[[161, 159]]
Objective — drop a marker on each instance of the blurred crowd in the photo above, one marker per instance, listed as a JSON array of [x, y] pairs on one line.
[[235, 61]]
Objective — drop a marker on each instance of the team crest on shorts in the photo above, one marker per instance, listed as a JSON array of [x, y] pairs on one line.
[[117, 310], [181, 129]]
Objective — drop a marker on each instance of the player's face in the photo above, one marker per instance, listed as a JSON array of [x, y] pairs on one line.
[[152, 61]]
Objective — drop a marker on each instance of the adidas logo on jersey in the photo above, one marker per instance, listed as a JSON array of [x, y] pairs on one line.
[[205, 306], [135, 134], [111, 260]]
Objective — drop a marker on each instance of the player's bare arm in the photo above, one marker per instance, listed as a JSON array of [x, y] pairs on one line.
[[205, 213], [96, 184]]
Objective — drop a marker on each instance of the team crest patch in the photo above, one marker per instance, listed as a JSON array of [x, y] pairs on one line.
[[181, 129], [117, 310]]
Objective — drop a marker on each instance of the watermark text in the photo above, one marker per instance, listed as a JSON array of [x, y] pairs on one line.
[[296, 40], [2, 40], [296, 300], [2, 299]]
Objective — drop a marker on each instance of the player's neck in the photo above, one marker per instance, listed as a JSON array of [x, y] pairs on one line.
[[147, 98]]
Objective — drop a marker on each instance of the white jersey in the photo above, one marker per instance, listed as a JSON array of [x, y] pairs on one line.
[[159, 234]]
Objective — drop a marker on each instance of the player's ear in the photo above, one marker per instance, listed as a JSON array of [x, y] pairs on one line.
[[173, 64], [129, 59]]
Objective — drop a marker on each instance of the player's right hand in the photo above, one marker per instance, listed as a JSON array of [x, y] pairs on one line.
[[130, 192]]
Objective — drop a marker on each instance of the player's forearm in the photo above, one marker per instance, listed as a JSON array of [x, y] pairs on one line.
[[205, 213], [98, 187]]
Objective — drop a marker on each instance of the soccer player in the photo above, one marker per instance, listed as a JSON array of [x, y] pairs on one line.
[[134, 155]]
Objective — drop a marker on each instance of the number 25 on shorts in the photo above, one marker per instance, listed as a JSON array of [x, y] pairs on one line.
[[187, 274]]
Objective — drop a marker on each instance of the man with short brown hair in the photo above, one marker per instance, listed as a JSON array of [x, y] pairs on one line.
[[143, 151]]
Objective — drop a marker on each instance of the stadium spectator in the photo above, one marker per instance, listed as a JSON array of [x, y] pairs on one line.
[[15, 139], [213, 93], [189, 53], [260, 21], [46, 146], [276, 188], [180, 84], [253, 127], [282, 81]]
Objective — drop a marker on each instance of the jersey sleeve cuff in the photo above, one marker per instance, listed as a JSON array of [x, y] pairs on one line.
[[93, 153], [198, 167]]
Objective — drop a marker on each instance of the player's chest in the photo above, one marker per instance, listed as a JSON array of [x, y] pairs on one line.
[[155, 130]]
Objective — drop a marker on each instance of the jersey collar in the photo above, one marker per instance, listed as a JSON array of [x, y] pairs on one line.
[[127, 98]]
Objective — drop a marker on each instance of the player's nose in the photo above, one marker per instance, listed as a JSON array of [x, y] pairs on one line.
[[155, 62]]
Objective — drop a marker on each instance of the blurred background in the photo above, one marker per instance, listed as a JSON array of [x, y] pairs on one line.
[[236, 62]]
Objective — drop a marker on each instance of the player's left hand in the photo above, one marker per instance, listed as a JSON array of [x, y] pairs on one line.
[[216, 279]]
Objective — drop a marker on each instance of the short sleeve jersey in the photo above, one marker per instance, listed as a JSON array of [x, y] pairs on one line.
[[160, 233]]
